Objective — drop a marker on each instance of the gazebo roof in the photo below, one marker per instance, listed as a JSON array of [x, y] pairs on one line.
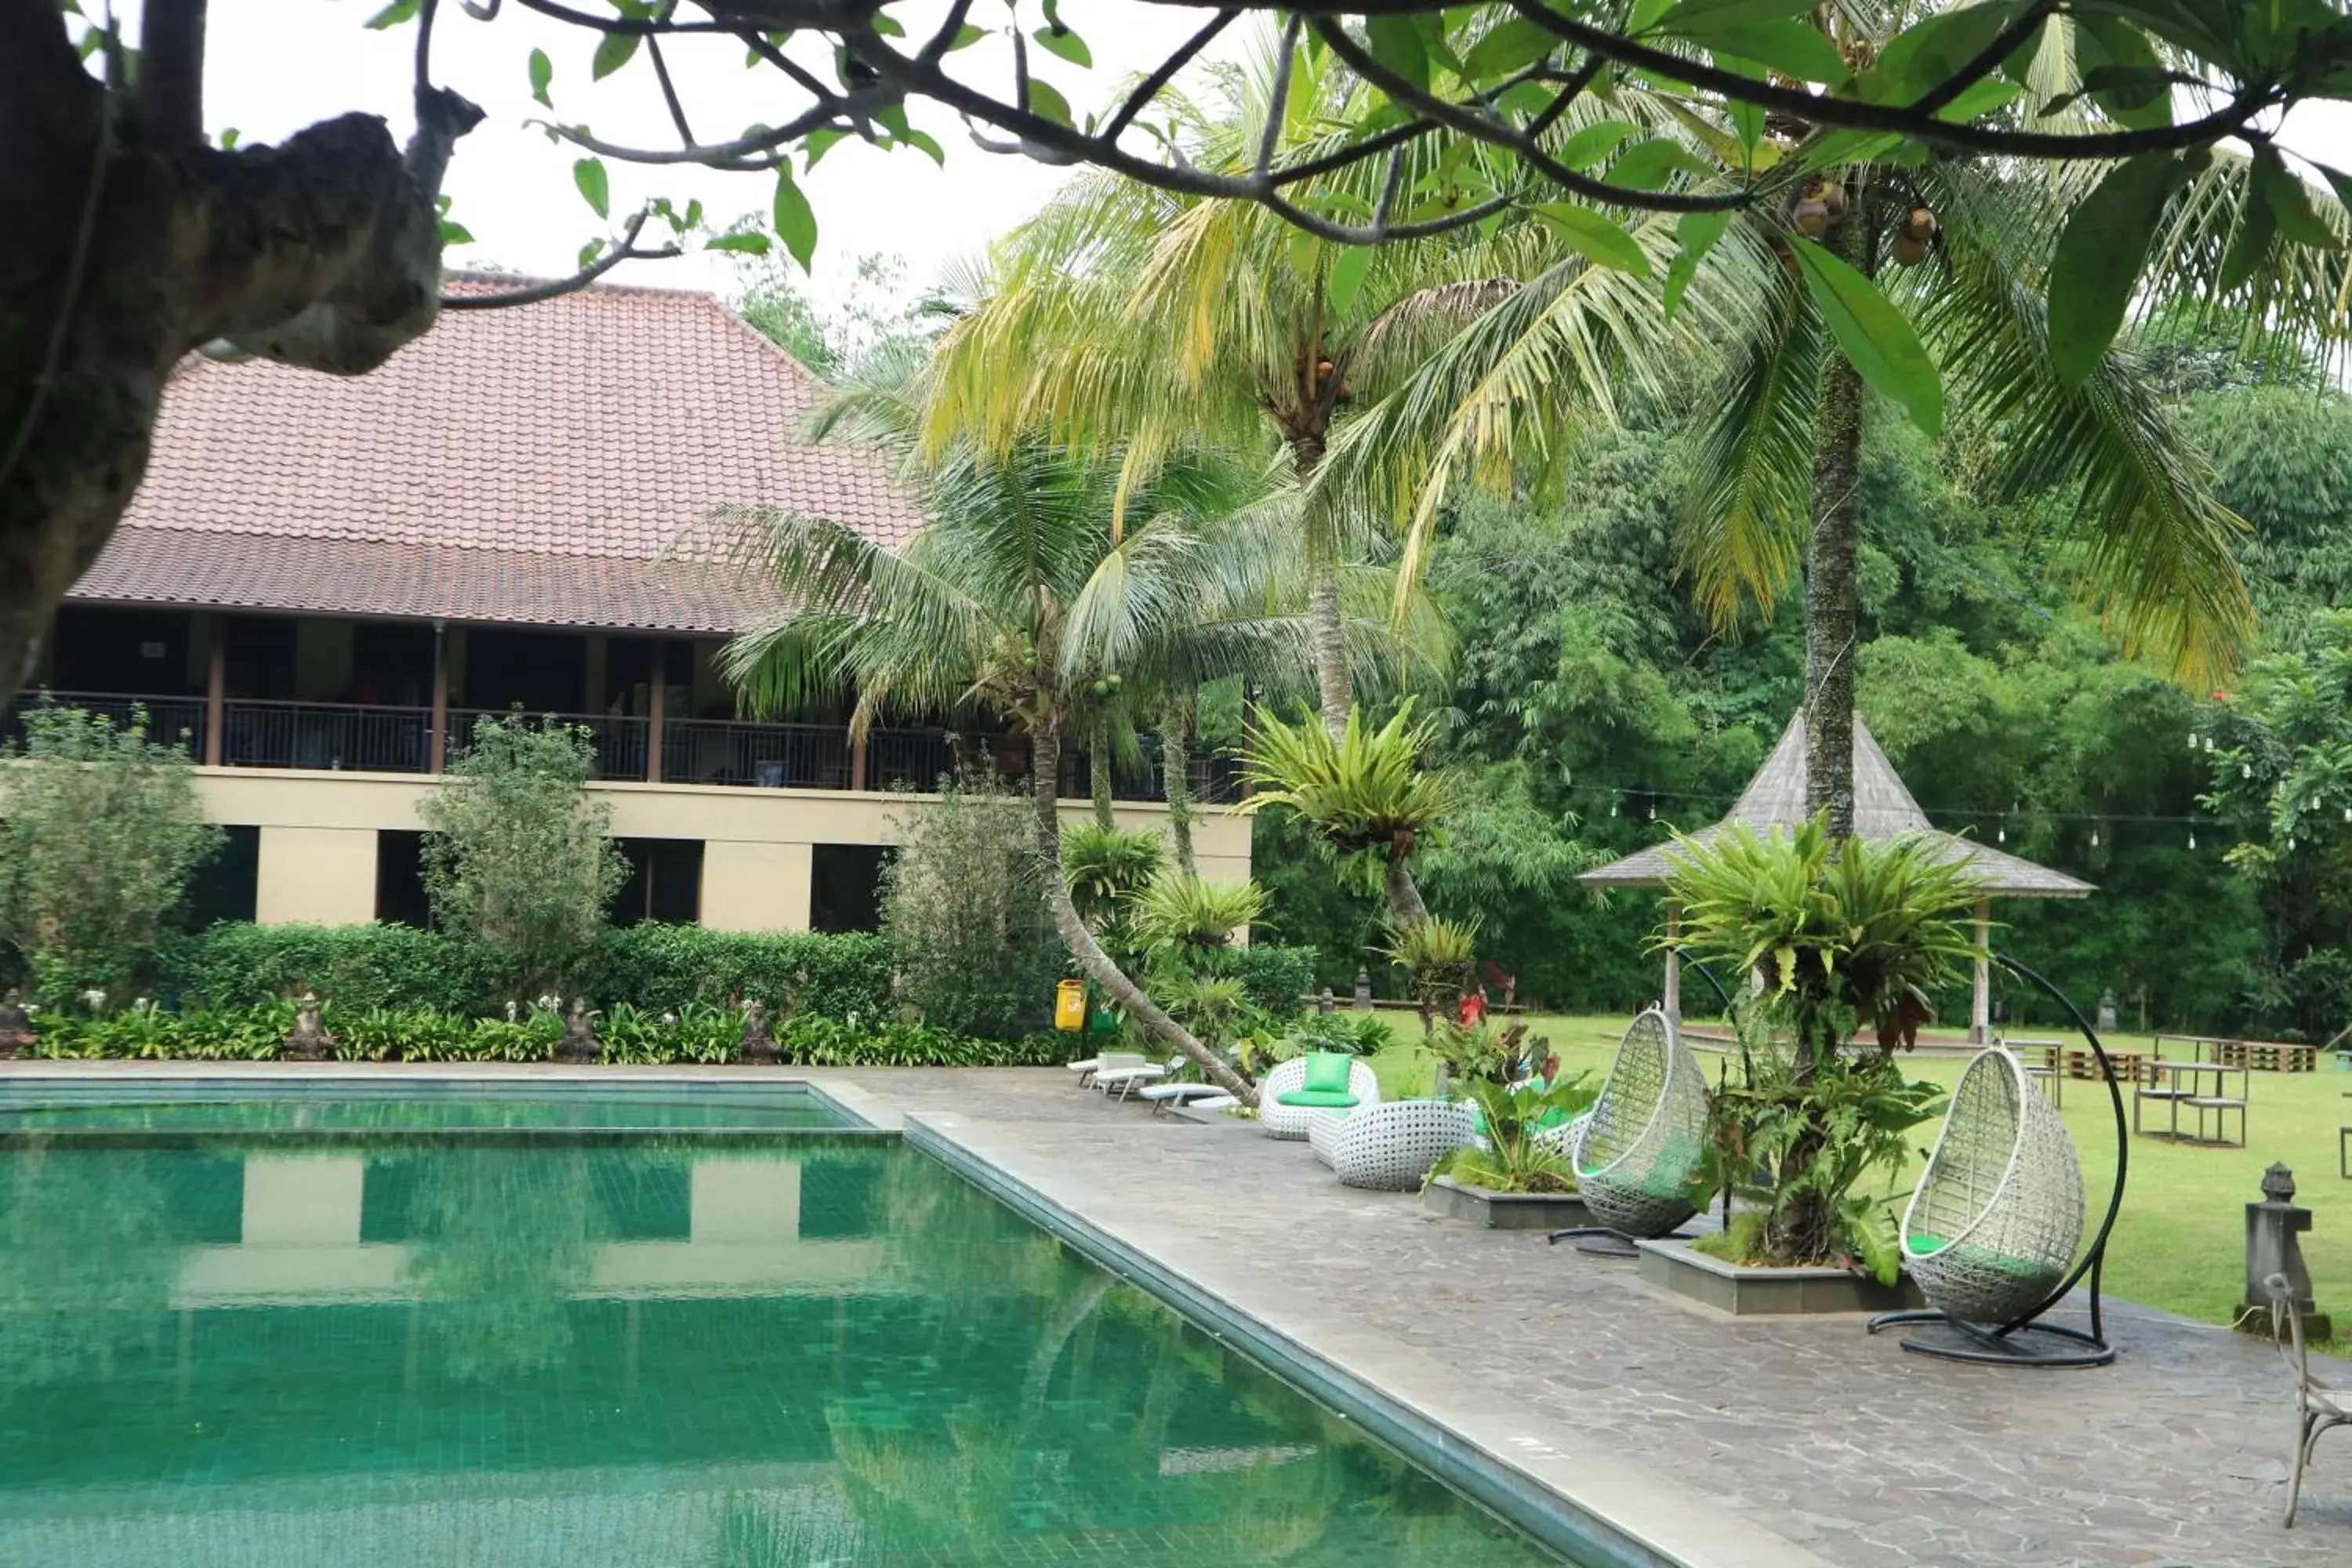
[[1883, 809]]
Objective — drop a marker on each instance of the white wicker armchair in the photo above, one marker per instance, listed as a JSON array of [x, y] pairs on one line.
[[1292, 1122], [1390, 1148]]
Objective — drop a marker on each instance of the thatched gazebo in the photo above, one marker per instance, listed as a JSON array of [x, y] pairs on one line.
[[1883, 809]]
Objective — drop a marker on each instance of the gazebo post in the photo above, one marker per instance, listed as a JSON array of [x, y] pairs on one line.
[[1672, 1000], [1981, 1004]]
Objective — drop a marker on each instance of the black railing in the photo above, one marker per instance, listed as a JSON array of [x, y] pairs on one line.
[[772, 756], [620, 741], [369, 738], [170, 720], [344, 737]]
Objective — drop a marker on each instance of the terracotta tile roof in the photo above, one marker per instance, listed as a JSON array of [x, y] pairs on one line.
[[519, 464]]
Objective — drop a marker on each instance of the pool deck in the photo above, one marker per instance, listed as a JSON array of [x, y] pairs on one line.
[[1779, 1443]]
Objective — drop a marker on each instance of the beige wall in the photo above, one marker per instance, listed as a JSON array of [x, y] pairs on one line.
[[317, 839], [324, 876]]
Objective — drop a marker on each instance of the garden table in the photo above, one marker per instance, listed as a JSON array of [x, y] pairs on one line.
[[2182, 1083]]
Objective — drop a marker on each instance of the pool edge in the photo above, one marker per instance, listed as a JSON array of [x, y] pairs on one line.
[[1529, 1473]]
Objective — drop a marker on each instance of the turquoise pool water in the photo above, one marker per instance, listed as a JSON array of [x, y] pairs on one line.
[[787, 1351], [174, 1107]]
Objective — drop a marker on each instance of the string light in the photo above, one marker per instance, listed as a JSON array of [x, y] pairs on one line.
[[2290, 843], [2245, 769], [2192, 839], [2208, 745], [2095, 838]]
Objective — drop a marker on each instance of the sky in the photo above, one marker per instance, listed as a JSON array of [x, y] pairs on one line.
[[275, 66]]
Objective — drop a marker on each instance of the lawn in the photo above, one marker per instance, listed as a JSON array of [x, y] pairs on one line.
[[2180, 1243]]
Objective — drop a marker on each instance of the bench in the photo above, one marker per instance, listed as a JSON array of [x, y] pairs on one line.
[[2219, 1108]]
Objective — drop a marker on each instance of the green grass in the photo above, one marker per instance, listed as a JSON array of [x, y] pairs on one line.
[[2180, 1243]]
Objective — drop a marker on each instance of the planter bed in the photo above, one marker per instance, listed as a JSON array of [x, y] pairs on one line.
[[1503, 1211], [1743, 1291]]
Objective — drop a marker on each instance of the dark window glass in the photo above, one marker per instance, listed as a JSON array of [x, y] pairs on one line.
[[225, 886], [400, 877], [845, 887], [546, 672], [138, 653], [665, 882]]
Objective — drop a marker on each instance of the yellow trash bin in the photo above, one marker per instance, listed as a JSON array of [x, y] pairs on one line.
[[1070, 1004]]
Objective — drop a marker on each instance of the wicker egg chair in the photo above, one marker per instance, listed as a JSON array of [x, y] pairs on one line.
[[1642, 1142], [1993, 1225]]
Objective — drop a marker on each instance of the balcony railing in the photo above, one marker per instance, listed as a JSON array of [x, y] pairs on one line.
[[370, 738], [168, 719]]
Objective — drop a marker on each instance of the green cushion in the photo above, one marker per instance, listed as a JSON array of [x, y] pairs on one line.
[[1669, 1175], [1982, 1257], [1324, 1099], [1327, 1072]]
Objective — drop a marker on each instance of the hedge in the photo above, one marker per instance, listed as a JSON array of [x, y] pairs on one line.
[[699, 1033], [1276, 978], [661, 968]]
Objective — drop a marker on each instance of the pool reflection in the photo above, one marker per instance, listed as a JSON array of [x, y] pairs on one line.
[[821, 1350]]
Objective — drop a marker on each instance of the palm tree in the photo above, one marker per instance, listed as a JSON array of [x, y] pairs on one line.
[[1019, 598], [1925, 280], [1145, 318]]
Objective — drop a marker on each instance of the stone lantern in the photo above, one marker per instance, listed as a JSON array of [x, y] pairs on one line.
[[2274, 1227]]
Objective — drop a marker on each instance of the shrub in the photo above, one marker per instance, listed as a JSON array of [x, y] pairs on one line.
[[964, 907], [103, 832], [663, 968], [239, 965], [518, 855], [1276, 978], [1181, 911]]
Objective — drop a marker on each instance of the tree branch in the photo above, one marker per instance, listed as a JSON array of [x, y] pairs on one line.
[[556, 287], [1148, 87], [1986, 60], [170, 85]]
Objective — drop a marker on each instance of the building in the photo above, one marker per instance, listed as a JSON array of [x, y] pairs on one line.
[[325, 583]]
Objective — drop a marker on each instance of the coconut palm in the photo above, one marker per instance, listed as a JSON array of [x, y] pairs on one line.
[[1923, 278], [1018, 599], [1128, 315]]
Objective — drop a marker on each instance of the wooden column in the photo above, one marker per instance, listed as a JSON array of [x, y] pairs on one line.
[[1673, 1001], [656, 697], [439, 746], [1980, 1002], [216, 690]]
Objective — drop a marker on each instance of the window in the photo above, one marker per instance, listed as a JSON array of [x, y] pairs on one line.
[[665, 882], [845, 887], [226, 886], [400, 879]]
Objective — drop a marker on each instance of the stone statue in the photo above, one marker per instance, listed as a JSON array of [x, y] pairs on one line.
[[16, 1036], [310, 1042], [759, 1040], [2274, 1245], [2107, 1010], [578, 1041]]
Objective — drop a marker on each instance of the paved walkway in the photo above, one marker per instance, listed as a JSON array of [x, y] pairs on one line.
[[1822, 1444], [1838, 1442]]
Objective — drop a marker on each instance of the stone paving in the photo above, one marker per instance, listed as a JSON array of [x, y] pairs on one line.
[[1838, 1442], [1835, 1441]]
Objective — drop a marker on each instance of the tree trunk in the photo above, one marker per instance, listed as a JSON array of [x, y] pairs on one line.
[[1405, 907], [133, 242], [1833, 612], [1098, 765], [1335, 688], [1045, 766], [1176, 781]]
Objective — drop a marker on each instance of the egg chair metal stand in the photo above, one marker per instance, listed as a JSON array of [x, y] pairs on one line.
[[1995, 1295], [1642, 1142]]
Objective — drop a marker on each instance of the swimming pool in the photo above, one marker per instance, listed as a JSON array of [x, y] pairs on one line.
[[804, 1348], [411, 1105]]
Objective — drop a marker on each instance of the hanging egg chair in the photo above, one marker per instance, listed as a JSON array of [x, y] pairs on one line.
[[1993, 1225], [1642, 1142]]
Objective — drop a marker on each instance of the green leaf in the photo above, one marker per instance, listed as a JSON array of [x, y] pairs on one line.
[[2122, 72], [886, 25], [1508, 47], [1878, 339], [820, 142], [228, 139], [924, 142], [2098, 259], [1066, 44], [595, 188], [796, 220], [612, 54], [1397, 43], [1645, 165], [1698, 232], [747, 244], [453, 232], [1791, 48], [1527, 98], [393, 14], [1346, 277], [966, 36], [543, 76], [1594, 142], [1597, 237], [590, 252], [1046, 102], [1931, 51], [2250, 245], [2289, 200], [1692, 14]]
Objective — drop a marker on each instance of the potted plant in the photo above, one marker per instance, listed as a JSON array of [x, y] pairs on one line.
[[1838, 935]]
